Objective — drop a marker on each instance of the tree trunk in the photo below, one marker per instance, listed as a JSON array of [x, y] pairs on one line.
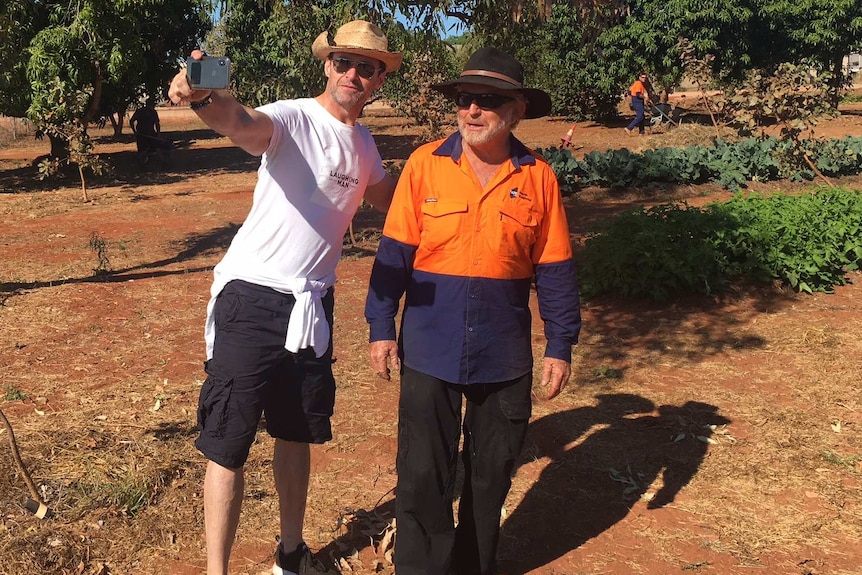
[[836, 83], [95, 99], [117, 121], [59, 147]]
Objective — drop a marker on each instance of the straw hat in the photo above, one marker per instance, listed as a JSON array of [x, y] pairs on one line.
[[493, 67], [358, 37]]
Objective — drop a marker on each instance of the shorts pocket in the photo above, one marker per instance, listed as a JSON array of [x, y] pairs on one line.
[[226, 307], [213, 407]]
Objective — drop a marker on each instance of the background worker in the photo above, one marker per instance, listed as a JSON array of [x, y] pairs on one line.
[[474, 219], [269, 319], [147, 129], [639, 101]]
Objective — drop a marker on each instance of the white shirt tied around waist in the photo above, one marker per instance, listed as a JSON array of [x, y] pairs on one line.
[[307, 326]]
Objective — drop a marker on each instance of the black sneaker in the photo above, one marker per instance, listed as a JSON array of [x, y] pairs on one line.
[[299, 561]]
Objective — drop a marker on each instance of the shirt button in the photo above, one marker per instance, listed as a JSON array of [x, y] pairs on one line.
[[472, 296], [469, 329], [475, 262]]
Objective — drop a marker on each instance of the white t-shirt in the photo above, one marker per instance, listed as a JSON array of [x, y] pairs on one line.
[[310, 183]]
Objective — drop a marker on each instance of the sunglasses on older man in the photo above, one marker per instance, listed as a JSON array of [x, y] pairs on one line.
[[343, 65], [484, 101]]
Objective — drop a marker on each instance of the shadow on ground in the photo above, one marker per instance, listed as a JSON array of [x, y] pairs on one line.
[[215, 241], [624, 443]]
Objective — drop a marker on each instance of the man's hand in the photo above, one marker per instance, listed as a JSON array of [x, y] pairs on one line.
[[181, 91], [383, 355], [555, 375]]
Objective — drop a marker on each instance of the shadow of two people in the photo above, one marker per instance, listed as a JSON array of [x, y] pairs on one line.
[[603, 458]]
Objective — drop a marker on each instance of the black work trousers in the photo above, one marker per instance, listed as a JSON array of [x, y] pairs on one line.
[[429, 428]]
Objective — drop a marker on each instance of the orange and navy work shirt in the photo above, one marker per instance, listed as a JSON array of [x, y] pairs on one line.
[[638, 90], [464, 257]]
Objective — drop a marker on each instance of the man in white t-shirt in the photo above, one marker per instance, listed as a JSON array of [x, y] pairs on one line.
[[269, 321]]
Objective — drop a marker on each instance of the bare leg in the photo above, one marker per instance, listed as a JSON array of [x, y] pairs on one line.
[[291, 465], [223, 488]]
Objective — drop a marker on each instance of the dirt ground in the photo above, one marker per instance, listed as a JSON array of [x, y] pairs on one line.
[[710, 435]]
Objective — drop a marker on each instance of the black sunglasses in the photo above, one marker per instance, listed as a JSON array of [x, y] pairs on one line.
[[484, 101], [343, 65]]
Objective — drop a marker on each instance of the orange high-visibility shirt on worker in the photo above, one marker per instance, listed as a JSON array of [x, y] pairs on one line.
[[465, 255], [638, 90]]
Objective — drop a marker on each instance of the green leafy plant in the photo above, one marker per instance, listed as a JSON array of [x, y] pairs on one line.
[[809, 242], [730, 164], [12, 393], [850, 461], [606, 372]]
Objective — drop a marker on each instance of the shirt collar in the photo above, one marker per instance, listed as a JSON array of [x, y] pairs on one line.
[[453, 147]]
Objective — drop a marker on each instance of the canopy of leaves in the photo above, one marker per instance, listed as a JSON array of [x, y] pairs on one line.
[[111, 51], [271, 65], [268, 63]]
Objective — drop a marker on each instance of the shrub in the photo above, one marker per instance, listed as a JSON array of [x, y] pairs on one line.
[[809, 242]]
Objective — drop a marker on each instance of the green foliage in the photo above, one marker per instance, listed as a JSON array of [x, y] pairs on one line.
[[814, 32], [12, 393], [606, 372], [65, 64], [793, 98], [655, 253], [564, 59], [730, 165], [850, 461], [427, 60], [269, 64], [808, 242], [583, 54], [566, 167]]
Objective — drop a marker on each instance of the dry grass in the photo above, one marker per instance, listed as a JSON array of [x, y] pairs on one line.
[[14, 129]]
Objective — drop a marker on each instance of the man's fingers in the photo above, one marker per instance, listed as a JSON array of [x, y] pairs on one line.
[[383, 355], [394, 361]]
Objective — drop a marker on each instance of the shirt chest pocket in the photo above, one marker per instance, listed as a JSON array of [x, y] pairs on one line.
[[441, 225], [516, 232]]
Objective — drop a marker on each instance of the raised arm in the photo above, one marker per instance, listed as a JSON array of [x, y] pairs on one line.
[[246, 127]]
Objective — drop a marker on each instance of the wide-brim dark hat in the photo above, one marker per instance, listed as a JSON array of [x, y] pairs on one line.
[[493, 67]]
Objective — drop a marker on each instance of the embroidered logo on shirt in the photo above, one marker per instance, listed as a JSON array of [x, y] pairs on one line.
[[513, 193], [523, 196]]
